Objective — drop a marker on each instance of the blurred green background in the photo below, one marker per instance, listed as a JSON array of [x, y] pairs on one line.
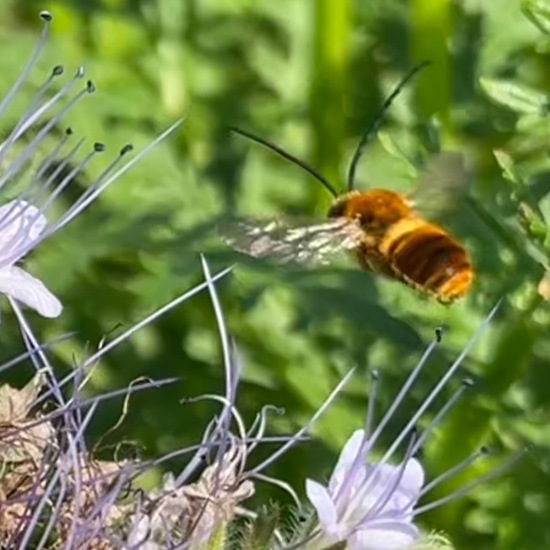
[[309, 75]]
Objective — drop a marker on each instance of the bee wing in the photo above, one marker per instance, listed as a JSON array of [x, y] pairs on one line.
[[286, 241], [443, 183]]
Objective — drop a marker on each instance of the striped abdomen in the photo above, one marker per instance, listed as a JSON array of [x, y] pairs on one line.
[[425, 256]]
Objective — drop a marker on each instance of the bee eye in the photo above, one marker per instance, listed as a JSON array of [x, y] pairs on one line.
[[366, 218], [337, 210]]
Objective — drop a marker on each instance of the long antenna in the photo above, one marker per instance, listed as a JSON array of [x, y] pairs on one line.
[[291, 158], [379, 119]]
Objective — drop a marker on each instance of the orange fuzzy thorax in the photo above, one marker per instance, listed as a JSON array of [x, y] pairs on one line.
[[376, 209]]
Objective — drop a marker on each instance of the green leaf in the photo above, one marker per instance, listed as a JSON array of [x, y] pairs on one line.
[[506, 163], [259, 532], [532, 223], [515, 97], [393, 149], [538, 12]]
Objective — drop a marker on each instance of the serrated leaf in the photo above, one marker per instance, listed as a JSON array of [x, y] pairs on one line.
[[515, 97], [538, 12]]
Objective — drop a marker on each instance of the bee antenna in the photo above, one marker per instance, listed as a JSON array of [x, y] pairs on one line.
[[291, 158], [379, 119]]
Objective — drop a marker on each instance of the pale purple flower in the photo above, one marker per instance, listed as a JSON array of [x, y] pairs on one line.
[[372, 505], [21, 225], [76, 501], [80, 502], [59, 494], [375, 512], [24, 221]]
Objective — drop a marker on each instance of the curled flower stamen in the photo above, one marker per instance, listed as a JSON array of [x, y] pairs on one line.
[[260, 423], [277, 454], [227, 406]]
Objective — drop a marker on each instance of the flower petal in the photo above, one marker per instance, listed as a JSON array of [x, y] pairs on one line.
[[403, 483], [326, 511], [31, 291], [386, 536], [413, 479], [21, 224], [346, 461]]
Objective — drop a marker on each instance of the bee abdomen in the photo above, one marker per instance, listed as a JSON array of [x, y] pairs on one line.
[[425, 256]]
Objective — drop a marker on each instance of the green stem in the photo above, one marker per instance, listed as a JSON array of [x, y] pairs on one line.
[[331, 53], [431, 30]]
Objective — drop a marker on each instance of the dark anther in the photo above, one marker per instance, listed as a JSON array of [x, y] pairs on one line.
[[439, 333], [99, 147], [57, 70], [46, 16], [484, 451], [69, 131], [90, 87], [126, 149]]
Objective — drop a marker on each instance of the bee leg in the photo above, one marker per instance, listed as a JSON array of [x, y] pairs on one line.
[[370, 259]]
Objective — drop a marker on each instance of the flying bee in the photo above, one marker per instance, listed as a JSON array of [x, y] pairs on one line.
[[386, 231]]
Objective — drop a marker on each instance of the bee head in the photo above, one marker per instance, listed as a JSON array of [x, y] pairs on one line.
[[375, 209]]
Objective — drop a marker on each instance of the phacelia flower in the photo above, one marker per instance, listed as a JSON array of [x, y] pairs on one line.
[[370, 504], [55, 491], [24, 220], [201, 512], [375, 510], [58, 493]]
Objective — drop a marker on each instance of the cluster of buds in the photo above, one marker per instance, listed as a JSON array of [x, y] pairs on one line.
[[55, 494]]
